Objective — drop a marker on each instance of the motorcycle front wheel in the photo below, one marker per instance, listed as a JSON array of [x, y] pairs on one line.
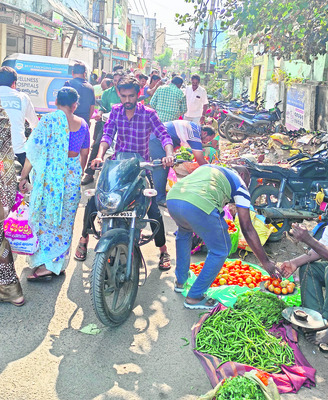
[[221, 124], [234, 131], [267, 196], [112, 296]]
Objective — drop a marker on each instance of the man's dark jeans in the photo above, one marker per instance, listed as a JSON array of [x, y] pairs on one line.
[[95, 147], [153, 213], [21, 157]]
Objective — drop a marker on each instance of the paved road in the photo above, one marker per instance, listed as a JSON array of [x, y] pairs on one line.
[[43, 356]]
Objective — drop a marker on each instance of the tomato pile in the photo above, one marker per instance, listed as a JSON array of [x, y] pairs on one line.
[[278, 286], [231, 226], [234, 273]]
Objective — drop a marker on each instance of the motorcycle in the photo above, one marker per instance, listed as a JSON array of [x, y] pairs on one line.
[[242, 124], [287, 195], [123, 197], [237, 106]]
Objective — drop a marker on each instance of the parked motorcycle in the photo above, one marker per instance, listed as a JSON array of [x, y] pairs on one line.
[[227, 109], [287, 195], [242, 124], [123, 195]]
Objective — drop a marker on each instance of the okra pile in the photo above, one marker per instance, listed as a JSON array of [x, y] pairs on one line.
[[238, 336]]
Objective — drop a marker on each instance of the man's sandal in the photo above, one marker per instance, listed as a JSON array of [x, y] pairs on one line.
[[81, 251], [164, 262]]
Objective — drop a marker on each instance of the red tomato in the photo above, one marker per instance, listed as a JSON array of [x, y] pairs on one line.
[[265, 278]]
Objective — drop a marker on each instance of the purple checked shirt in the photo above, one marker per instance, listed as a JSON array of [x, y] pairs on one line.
[[133, 135]]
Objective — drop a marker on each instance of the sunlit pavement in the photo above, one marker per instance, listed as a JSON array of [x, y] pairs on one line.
[[44, 356]]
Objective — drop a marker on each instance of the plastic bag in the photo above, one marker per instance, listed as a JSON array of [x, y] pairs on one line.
[[261, 228], [19, 233], [171, 179]]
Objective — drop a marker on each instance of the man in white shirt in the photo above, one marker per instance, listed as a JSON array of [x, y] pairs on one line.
[[19, 108], [197, 102], [313, 276]]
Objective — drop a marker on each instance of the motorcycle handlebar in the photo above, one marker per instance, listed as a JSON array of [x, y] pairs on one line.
[[158, 163]]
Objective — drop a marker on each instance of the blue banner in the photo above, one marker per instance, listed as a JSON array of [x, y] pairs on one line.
[[41, 69]]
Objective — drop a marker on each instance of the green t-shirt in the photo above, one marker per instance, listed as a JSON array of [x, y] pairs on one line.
[[109, 98], [206, 188]]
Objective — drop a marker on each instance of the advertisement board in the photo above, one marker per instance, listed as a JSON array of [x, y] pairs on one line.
[[295, 109], [41, 81]]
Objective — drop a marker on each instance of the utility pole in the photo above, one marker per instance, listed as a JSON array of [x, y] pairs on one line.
[[209, 39], [112, 37], [101, 29]]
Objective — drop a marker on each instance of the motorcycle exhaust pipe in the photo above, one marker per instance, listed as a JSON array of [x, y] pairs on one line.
[[273, 212]]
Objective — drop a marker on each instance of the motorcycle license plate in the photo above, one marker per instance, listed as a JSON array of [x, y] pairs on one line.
[[123, 214]]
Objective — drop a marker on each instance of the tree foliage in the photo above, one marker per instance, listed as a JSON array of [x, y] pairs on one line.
[[289, 29], [165, 59]]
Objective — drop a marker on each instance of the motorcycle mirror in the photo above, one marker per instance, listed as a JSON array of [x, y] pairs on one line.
[[150, 192], [90, 192]]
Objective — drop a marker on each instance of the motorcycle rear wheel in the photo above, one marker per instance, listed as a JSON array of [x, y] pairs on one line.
[[267, 196], [234, 132], [113, 297]]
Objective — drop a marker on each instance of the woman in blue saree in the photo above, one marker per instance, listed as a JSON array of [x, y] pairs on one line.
[[53, 151]]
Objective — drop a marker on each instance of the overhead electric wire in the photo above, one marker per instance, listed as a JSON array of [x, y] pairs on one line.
[[137, 9], [145, 7], [142, 7]]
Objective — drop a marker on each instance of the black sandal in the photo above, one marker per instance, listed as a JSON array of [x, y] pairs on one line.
[[164, 262], [81, 251]]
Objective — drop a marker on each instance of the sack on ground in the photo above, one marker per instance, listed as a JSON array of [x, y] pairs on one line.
[[261, 228]]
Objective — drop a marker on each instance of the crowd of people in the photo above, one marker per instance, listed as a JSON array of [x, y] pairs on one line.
[[149, 115]]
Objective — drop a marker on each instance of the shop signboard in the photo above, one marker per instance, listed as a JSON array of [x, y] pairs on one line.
[[120, 55], [295, 109], [35, 25], [90, 42], [57, 18], [105, 51], [9, 17]]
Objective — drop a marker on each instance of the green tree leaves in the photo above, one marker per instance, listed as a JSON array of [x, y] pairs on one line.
[[289, 29], [165, 59]]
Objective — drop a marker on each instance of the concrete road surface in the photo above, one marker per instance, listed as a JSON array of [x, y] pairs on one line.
[[44, 356]]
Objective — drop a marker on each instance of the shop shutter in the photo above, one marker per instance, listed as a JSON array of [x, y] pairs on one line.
[[38, 46], [56, 48], [15, 39], [15, 31]]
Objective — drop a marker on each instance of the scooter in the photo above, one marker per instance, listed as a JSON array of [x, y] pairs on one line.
[[239, 126], [287, 195], [123, 197]]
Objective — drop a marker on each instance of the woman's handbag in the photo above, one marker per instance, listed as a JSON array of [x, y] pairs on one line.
[[18, 232]]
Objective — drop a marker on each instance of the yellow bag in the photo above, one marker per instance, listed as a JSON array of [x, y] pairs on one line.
[[263, 230]]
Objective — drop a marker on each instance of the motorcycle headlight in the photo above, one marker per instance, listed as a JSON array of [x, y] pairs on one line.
[[109, 201]]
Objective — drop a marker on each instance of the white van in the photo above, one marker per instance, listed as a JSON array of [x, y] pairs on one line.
[[41, 77]]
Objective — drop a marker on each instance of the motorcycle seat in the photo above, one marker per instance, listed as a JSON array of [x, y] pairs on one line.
[[275, 169]]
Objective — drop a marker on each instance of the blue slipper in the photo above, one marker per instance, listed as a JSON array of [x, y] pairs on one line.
[[178, 289], [201, 305]]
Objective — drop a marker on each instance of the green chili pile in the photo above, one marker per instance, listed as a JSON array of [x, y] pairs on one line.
[[234, 335], [265, 306], [239, 388]]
